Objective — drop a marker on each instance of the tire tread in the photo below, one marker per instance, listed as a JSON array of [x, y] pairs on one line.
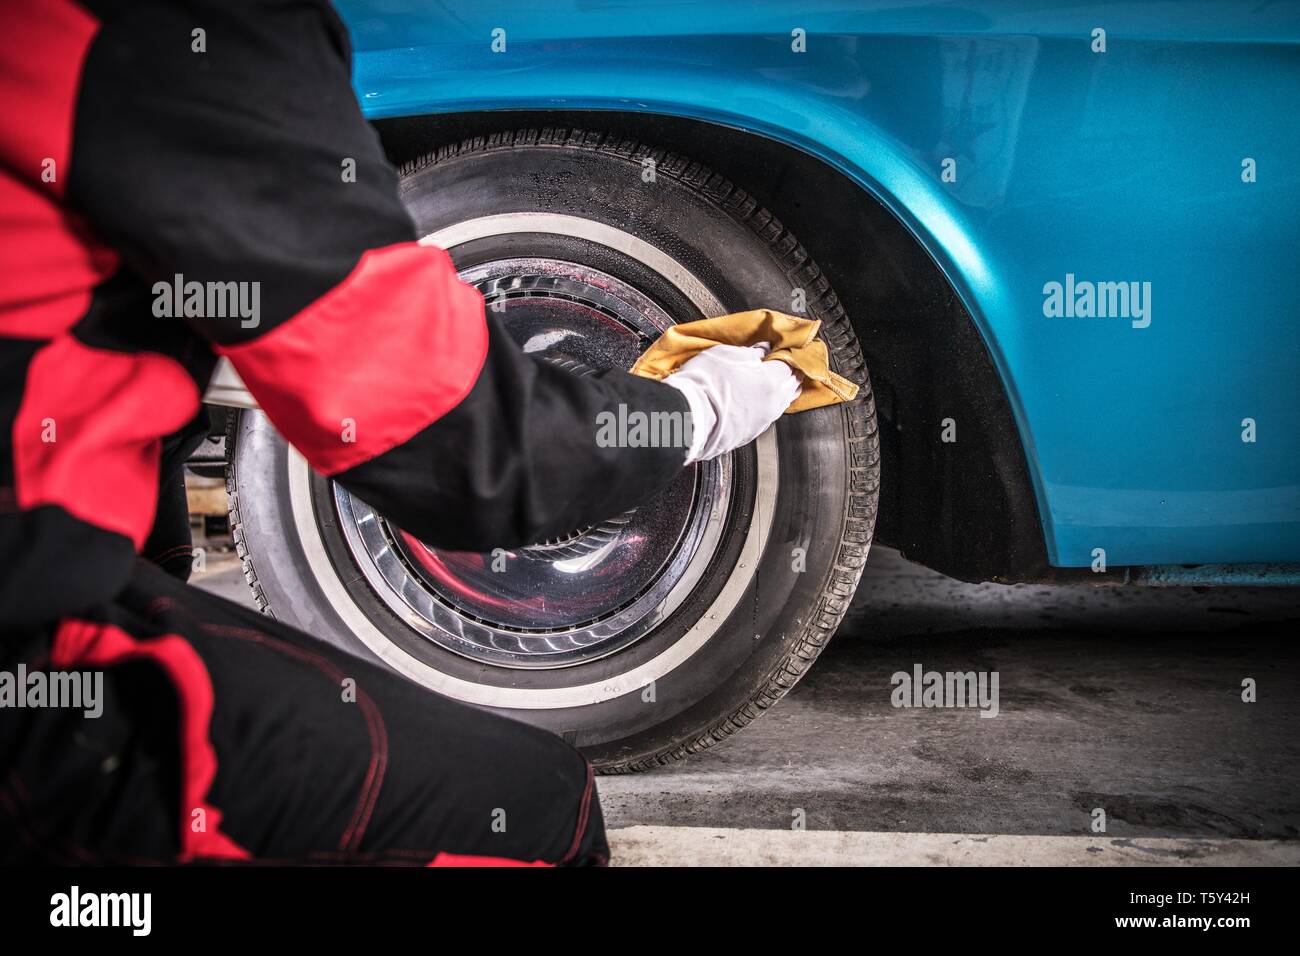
[[863, 441]]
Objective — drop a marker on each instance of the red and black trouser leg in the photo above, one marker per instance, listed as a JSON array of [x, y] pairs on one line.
[[226, 736]]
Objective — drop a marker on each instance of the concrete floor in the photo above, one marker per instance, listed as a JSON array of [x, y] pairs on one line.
[[1124, 699], [1127, 699]]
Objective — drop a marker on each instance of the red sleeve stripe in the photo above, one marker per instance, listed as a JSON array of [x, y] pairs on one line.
[[464, 860], [390, 350], [50, 264], [82, 643], [42, 51], [87, 436]]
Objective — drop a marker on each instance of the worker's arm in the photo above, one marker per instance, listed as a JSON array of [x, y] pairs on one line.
[[517, 459], [239, 154]]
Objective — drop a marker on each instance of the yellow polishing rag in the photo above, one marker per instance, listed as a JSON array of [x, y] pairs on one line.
[[794, 341]]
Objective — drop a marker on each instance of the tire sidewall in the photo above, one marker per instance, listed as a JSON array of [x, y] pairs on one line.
[[786, 588]]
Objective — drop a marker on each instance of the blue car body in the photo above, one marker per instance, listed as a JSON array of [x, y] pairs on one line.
[[1163, 155]]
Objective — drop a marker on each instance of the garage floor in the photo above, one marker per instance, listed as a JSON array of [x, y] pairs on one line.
[[1124, 699]]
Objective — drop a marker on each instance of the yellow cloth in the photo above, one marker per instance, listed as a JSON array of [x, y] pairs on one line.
[[794, 341]]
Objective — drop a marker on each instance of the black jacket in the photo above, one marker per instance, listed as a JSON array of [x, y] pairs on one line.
[[134, 163]]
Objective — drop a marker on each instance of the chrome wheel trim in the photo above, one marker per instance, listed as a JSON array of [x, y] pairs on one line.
[[619, 580], [742, 573]]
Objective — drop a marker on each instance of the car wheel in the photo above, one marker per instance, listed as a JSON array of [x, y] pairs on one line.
[[660, 631]]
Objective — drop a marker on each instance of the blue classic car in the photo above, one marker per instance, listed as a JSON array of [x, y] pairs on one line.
[[1056, 245]]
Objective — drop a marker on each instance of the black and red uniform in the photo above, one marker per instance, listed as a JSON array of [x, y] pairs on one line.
[[136, 150]]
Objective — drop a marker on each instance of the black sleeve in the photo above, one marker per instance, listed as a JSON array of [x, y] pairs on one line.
[[225, 166], [221, 157], [521, 458]]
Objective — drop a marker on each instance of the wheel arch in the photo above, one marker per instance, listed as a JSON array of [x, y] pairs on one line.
[[967, 508]]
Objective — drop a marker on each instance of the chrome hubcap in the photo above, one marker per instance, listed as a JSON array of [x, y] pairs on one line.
[[590, 592]]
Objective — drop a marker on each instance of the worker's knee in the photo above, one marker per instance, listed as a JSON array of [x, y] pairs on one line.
[[478, 784], [543, 791]]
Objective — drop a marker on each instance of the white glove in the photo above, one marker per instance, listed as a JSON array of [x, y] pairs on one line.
[[734, 396]]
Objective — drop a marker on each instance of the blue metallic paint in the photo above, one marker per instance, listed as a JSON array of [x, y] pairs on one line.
[[1115, 166]]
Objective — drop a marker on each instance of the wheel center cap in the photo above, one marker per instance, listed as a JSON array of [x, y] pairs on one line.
[[591, 591]]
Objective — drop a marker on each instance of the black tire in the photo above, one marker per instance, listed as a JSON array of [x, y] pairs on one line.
[[823, 485]]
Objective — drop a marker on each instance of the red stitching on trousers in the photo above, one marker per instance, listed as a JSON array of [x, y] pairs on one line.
[[38, 835], [584, 811], [378, 732], [173, 552]]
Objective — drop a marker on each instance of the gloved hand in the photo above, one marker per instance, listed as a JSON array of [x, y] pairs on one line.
[[733, 395]]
